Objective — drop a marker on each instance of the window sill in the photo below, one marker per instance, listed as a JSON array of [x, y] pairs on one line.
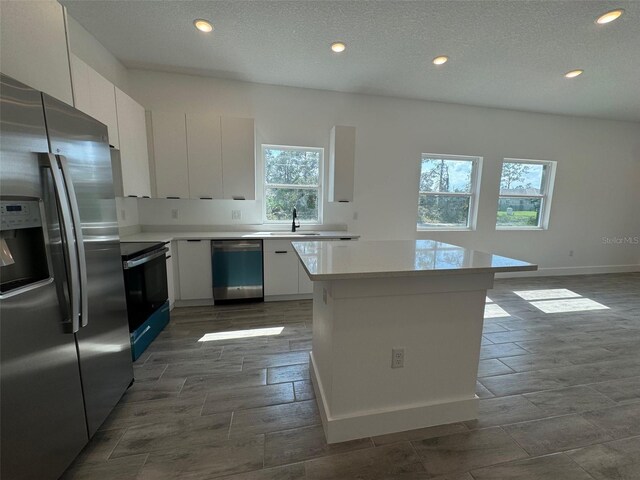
[[522, 229], [444, 229]]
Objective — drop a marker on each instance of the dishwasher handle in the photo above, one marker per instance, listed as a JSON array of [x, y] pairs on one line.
[[236, 246]]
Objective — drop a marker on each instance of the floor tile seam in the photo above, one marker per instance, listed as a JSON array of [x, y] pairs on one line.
[[576, 463]]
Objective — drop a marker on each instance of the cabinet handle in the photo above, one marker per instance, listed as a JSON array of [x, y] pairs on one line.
[[173, 198], [281, 251], [168, 257], [146, 196], [132, 196], [238, 197], [194, 240], [343, 201], [206, 198]]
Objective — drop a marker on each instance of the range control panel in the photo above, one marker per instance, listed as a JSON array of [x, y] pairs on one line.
[[19, 214]]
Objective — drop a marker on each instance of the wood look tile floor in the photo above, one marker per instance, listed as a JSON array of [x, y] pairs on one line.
[[559, 398]]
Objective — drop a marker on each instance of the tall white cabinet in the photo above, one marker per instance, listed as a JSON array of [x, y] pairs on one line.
[[205, 156], [342, 155], [134, 157], [95, 95], [170, 154], [238, 158], [34, 46]]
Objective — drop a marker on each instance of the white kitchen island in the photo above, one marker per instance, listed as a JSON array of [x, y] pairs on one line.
[[371, 297]]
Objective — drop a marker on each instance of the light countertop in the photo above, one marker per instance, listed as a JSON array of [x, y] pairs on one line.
[[398, 258], [284, 235]]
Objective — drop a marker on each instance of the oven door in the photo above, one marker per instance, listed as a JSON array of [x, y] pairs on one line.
[[146, 285]]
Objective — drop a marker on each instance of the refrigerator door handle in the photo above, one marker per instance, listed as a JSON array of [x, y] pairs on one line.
[[82, 261], [70, 241]]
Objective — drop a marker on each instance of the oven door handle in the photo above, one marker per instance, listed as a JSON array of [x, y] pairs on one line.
[[144, 259]]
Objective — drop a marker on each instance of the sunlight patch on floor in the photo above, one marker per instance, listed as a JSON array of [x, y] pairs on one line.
[[551, 293], [568, 305], [493, 310], [254, 332]]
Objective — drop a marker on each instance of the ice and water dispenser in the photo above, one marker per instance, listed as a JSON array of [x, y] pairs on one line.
[[23, 254]]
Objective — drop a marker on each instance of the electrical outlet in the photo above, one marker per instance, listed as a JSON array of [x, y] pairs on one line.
[[571, 253], [174, 213], [397, 358], [236, 214]]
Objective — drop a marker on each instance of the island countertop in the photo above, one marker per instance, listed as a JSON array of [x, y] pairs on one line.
[[398, 258]]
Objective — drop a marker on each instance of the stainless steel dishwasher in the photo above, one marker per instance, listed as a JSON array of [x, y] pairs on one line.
[[237, 269]]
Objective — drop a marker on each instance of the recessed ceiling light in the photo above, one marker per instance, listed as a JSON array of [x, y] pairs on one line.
[[338, 47], [203, 25], [440, 60], [609, 16], [573, 73]]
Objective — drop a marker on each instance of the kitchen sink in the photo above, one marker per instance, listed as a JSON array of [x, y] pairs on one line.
[[290, 234]]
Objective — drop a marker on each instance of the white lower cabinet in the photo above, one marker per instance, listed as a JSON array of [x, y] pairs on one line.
[[283, 272], [280, 268], [194, 268]]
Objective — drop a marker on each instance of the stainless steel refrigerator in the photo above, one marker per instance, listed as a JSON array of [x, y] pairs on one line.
[[64, 338]]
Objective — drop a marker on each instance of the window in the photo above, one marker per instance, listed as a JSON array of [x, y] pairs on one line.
[[525, 193], [447, 192], [292, 179]]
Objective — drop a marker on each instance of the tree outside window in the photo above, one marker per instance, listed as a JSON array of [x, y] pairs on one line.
[[292, 179], [447, 191]]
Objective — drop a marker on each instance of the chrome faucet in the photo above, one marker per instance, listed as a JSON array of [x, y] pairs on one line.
[[295, 224]]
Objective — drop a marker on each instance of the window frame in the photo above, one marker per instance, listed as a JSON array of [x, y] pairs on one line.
[[546, 187], [474, 192], [319, 187]]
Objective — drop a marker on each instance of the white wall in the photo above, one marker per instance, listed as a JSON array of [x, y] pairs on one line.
[[93, 53], [596, 190]]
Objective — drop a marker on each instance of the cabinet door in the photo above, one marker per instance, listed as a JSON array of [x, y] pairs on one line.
[[81, 85], [134, 157], [342, 154], [103, 101], [34, 46], [280, 268], [205, 156], [170, 154], [194, 266], [95, 95], [238, 158]]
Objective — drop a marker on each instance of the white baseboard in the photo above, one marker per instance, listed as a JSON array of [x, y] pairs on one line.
[[559, 271], [281, 298], [380, 422]]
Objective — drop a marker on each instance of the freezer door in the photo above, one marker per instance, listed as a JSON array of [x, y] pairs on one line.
[[82, 150], [42, 421]]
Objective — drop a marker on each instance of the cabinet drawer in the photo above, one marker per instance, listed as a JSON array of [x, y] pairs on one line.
[[273, 246]]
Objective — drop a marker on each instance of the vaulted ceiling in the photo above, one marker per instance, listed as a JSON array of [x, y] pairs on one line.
[[503, 53]]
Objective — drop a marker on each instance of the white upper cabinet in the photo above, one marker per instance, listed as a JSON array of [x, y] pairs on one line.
[[134, 157], [238, 158], [342, 154], [34, 46], [205, 156], [170, 154], [95, 95]]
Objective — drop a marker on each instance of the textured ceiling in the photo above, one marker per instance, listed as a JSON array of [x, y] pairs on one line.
[[509, 54]]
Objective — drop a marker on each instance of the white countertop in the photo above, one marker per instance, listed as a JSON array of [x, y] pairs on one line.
[[398, 258], [284, 235]]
